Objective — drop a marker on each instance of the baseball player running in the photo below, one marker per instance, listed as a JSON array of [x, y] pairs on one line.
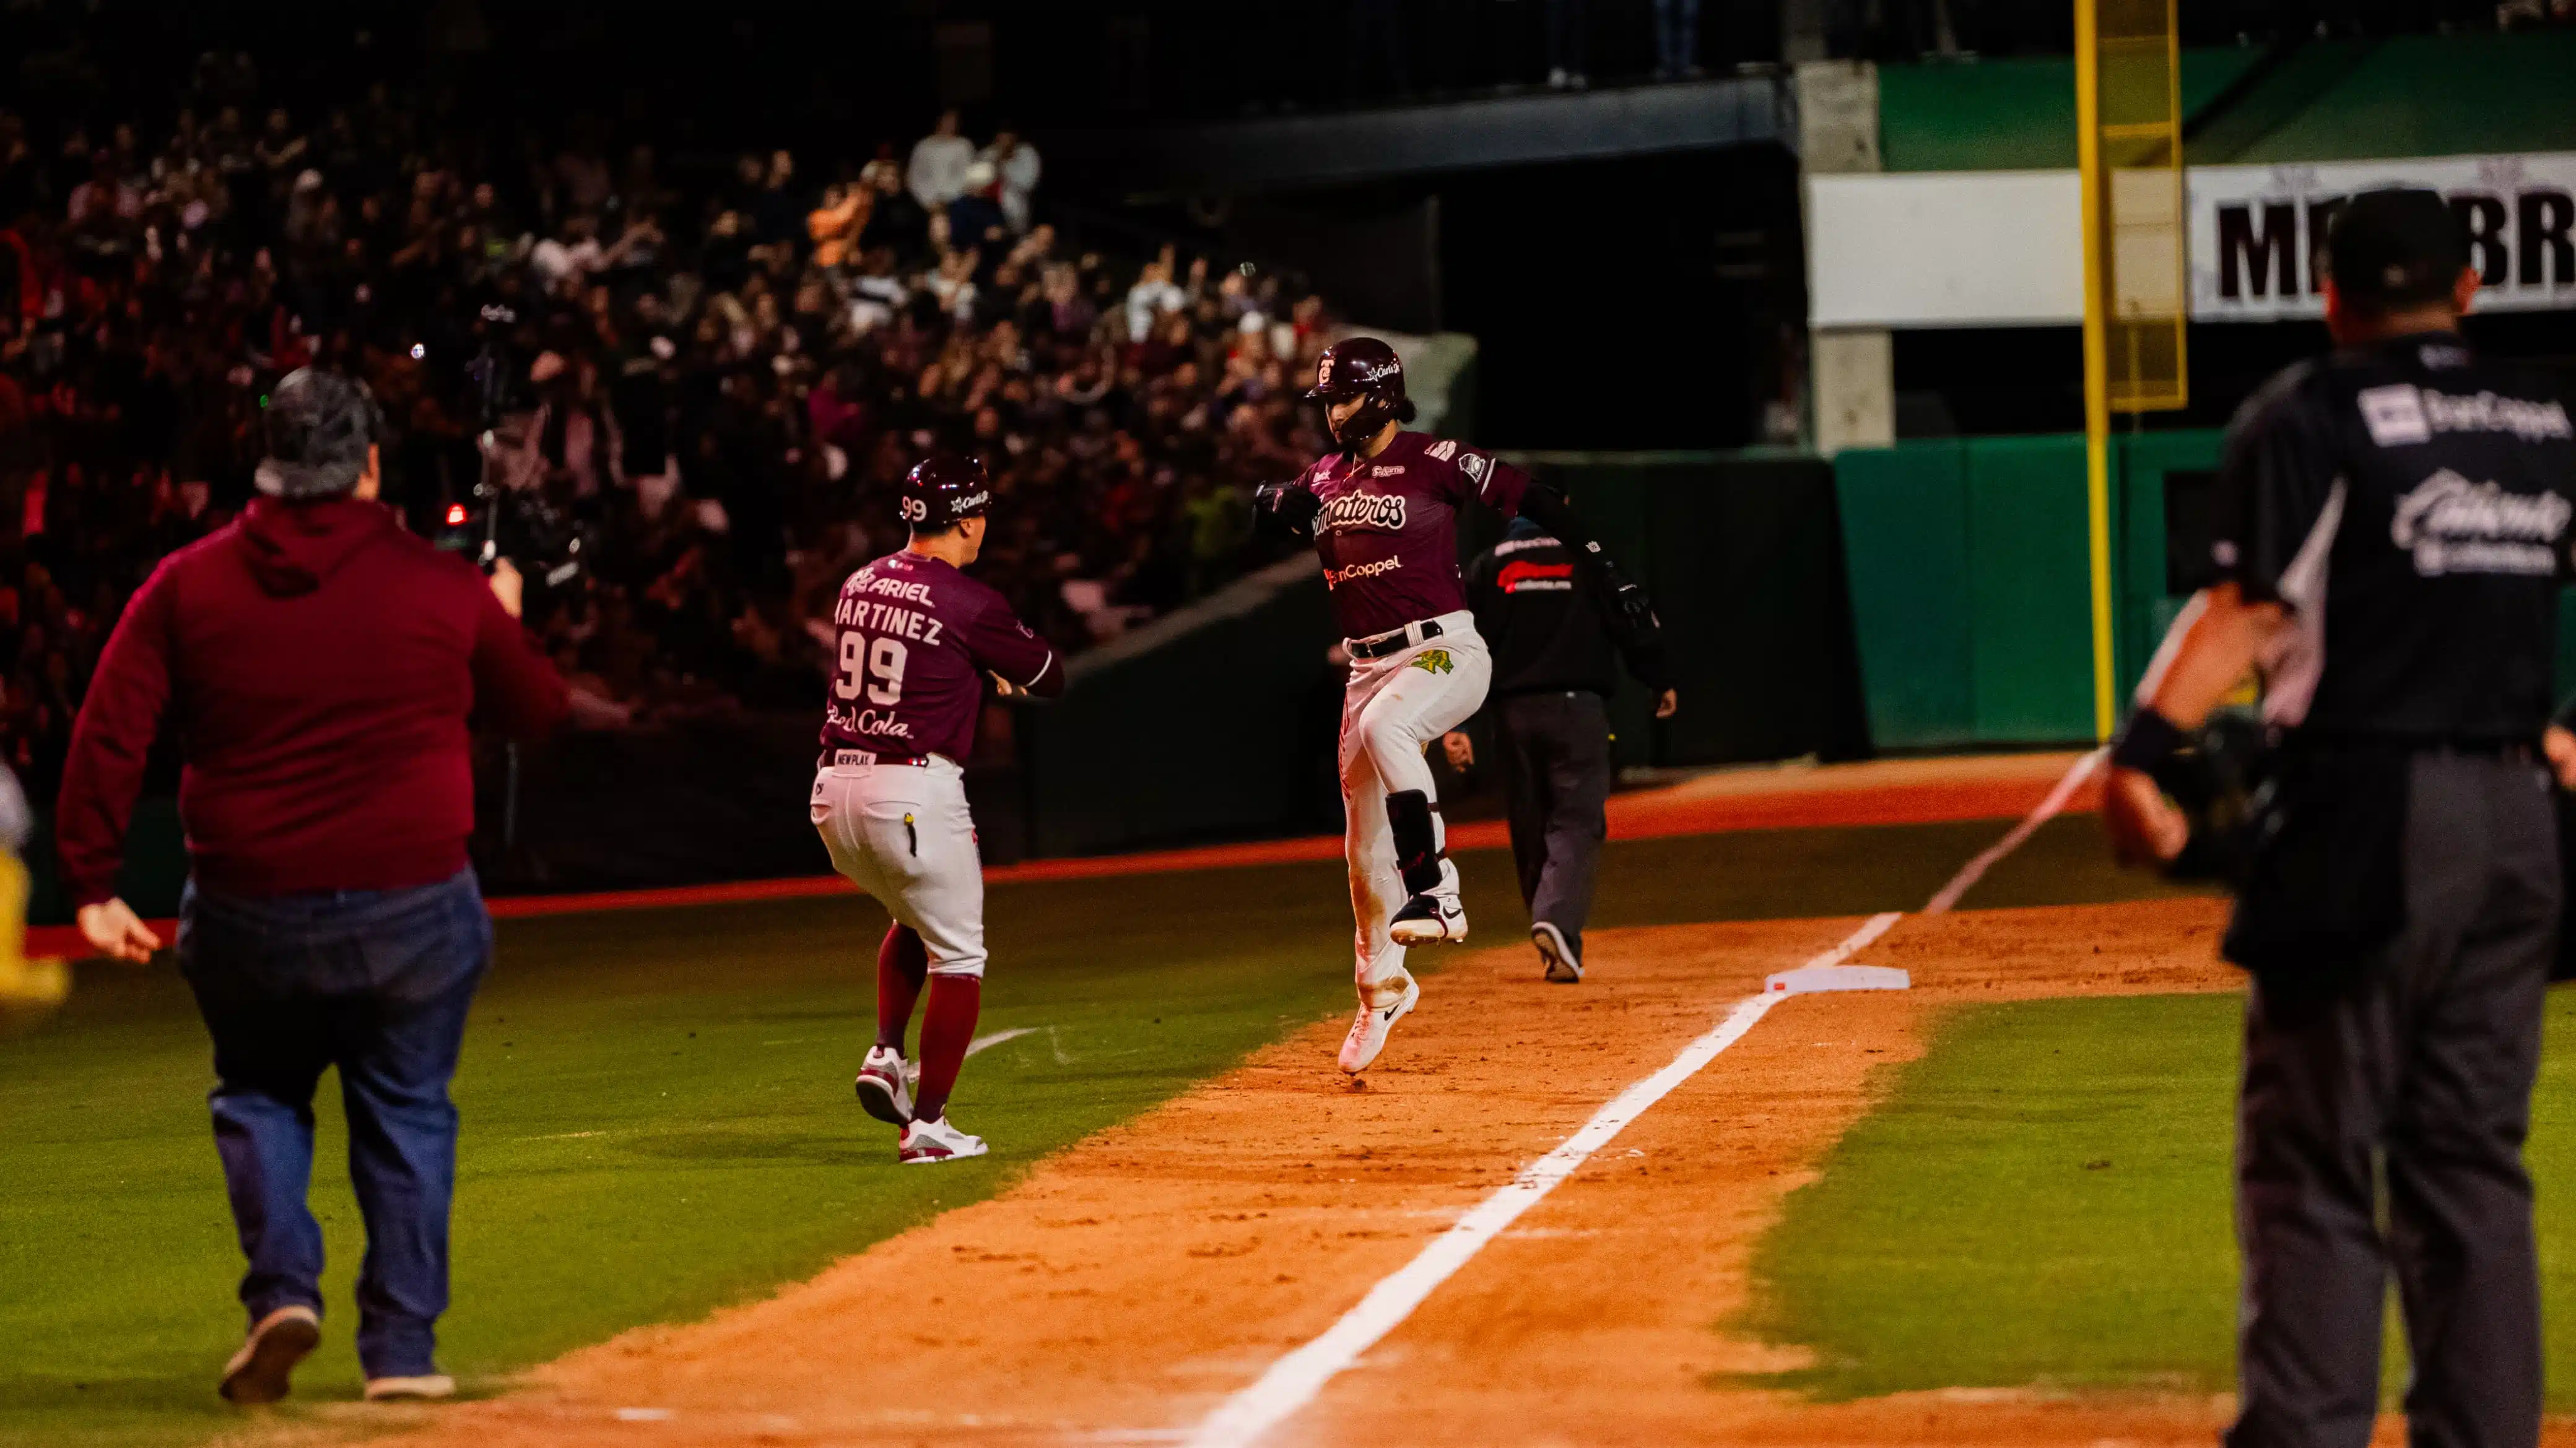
[[1383, 514], [917, 638]]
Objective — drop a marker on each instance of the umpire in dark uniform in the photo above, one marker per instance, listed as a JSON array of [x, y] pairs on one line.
[[2394, 529], [1556, 644]]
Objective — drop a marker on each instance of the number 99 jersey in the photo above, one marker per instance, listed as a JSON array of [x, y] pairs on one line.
[[916, 638]]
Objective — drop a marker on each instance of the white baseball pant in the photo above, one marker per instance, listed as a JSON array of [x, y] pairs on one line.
[[1391, 708], [902, 833]]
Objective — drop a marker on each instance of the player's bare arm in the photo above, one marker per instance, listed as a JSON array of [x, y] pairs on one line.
[[2220, 637]]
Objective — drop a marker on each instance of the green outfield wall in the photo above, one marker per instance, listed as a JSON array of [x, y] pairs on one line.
[[1970, 594]]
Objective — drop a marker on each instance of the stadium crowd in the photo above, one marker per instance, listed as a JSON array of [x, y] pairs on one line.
[[706, 389]]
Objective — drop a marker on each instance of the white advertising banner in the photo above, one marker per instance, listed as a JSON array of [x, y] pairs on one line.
[[2004, 248], [2255, 230], [1945, 249]]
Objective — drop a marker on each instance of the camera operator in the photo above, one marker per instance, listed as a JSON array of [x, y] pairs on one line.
[[2393, 531], [318, 664]]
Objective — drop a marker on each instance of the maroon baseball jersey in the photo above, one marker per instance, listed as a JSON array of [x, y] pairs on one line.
[[1388, 531], [916, 639]]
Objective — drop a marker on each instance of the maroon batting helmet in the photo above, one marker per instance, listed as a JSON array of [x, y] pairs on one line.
[[943, 490], [1362, 367]]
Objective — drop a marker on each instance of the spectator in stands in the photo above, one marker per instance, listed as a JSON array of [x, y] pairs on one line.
[[1016, 163], [1568, 42], [1677, 40], [937, 174]]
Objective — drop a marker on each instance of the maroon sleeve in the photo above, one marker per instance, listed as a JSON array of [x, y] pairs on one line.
[[998, 641], [1480, 475], [118, 719], [515, 689]]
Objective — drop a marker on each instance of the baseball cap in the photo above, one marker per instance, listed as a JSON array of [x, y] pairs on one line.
[[2395, 247]]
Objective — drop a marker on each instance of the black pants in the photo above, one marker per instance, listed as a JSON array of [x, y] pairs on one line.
[[2417, 1070], [1553, 751]]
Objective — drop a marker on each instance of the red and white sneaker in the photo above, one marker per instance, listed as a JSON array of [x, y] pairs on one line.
[[885, 1085], [935, 1140], [1381, 1007]]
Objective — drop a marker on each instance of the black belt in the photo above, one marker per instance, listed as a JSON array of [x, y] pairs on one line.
[[833, 757], [1394, 642]]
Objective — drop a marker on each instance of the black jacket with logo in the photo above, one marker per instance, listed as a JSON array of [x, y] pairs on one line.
[[1544, 620], [2412, 505]]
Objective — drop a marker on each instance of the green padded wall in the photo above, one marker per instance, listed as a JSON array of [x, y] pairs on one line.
[[1905, 545], [1971, 594], [2029, 599]]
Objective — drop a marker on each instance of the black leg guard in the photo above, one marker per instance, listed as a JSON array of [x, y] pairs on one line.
[[1408, 817]]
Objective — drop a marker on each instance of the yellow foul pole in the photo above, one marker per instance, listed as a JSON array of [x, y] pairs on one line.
[[2097, 381]]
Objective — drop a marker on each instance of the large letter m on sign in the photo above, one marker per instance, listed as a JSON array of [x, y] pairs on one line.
[[2267, 257]]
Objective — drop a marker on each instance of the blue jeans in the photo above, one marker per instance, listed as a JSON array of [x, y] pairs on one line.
[[375, 982]]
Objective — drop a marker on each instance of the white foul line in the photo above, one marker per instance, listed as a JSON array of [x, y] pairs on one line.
[[1975, 870], [986, 1043], [1293, 1381]]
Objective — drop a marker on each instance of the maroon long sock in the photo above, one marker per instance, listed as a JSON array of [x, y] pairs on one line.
[[902, 961], [946, 1028]]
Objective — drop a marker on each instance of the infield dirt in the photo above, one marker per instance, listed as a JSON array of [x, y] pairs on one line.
[[1129, 1285]]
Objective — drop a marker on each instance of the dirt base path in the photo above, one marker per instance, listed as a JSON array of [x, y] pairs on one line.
[[1131, 1284]]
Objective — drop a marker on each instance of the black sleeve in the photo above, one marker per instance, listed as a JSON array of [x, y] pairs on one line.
[[1645, 656], [1548, 508], [1484, 595], [2276, 476], [1288, 508]]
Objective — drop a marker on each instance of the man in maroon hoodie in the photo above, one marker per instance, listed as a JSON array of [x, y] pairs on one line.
[[318, 664]]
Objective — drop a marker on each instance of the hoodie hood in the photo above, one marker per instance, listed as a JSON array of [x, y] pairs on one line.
[[292, 548]]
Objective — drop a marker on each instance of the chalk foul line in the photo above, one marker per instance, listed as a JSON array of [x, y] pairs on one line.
[[985, 1043], [2046, 810], [1294, 1380]]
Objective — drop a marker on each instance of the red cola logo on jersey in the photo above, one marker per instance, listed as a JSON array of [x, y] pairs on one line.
[[1374, 512]]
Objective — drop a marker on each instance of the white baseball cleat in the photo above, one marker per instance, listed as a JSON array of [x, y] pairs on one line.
[[1369, 1029], [259, 1372], [885, 1085], [935, 1140], [1562, 965]]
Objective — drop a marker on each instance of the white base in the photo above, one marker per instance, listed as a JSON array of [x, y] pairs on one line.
[[1812, 978]]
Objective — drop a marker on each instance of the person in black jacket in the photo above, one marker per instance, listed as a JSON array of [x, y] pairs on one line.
[[2394, 529], [1556, 663]]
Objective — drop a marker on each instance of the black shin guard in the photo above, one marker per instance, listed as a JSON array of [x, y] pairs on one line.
[[1417, 852]]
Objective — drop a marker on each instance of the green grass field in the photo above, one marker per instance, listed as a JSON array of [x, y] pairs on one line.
[[2042, 1199], [657, 1106]]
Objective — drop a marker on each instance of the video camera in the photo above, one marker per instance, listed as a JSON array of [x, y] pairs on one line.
[[540, 538]]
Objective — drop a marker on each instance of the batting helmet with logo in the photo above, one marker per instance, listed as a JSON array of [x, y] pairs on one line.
[[1362, 367], [319, 426], [943, 490]]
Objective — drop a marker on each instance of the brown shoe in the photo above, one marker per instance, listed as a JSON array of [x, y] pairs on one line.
[[258, 1373]]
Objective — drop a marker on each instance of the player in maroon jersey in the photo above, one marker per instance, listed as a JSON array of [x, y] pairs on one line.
[[1383, 514], [918, 639]]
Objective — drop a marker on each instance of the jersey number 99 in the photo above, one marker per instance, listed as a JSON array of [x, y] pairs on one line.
[[863, 658]]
